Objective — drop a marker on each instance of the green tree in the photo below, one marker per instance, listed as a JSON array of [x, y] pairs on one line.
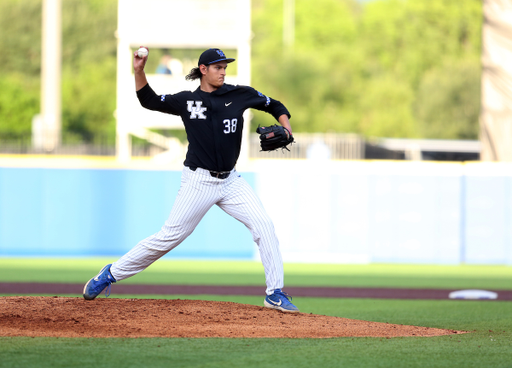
[[88, 67], [362, 67], [386, 108], [21, 59], [448, 101], [89, 97], [19, 102], [397, 68], [20, 36]]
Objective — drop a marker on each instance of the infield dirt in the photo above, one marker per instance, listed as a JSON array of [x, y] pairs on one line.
[[76, 317]]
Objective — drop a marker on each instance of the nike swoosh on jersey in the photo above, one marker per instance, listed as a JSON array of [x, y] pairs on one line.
[[227, 104]]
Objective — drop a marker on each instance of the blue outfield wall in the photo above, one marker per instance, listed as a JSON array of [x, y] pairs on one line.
[[390, 212], [415, 218], [335, 211], [488, 215], [98, 212]]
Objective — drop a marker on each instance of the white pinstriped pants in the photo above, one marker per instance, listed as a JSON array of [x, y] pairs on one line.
[[199, 191]]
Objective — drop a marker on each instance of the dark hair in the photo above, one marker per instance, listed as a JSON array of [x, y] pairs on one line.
[[195, 73]]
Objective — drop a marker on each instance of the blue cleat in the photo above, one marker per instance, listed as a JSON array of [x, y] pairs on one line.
[[98, 283], [280, 301]]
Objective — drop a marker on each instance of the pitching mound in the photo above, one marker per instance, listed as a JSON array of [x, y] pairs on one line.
[[76, 317]]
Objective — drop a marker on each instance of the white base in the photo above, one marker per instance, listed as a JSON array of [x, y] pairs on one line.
[[473, 294]]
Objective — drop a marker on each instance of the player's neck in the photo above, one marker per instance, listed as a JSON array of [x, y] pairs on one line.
[[207, 87]]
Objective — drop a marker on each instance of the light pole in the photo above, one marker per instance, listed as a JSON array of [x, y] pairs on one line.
[[47, 129], [288, 23]]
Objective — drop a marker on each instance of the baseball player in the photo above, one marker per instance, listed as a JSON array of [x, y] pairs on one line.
[[212, 116]]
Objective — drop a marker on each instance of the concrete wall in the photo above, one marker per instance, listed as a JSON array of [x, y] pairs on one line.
[[324, 211]]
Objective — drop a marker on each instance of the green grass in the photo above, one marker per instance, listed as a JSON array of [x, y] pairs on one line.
[[489, 343], [251, 273], [356, 352], [480, 348]]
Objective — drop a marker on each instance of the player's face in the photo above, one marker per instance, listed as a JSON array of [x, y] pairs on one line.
[[215, 74]]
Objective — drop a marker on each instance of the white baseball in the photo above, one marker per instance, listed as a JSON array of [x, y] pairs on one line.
[[142, 52]]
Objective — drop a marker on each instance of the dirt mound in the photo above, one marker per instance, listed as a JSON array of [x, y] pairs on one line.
[[76, 317]]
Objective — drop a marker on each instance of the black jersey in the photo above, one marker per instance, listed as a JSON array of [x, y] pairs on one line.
[[213, 121]]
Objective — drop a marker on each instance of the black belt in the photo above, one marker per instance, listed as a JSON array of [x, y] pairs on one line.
[[215, 174]]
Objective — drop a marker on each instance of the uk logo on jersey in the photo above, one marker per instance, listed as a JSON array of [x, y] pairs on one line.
[[196, 109]]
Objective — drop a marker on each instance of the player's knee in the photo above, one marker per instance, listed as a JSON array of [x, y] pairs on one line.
[[265, 225], [169, 237], [175, 231]]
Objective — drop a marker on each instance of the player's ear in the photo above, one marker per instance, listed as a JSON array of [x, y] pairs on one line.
[[203, 68]]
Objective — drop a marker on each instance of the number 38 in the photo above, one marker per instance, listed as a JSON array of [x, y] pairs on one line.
[[230, 125]]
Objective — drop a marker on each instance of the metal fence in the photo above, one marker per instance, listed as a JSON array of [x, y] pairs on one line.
[[315, 145], [103, 148], [306, 146]]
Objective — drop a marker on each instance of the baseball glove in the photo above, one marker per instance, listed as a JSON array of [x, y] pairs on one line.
[[274, 137]]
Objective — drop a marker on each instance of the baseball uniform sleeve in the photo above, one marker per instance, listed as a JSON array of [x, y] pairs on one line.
[[164, 103], [259, 101]]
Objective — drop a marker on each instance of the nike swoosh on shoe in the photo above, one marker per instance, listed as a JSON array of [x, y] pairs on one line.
[[275, 303]]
